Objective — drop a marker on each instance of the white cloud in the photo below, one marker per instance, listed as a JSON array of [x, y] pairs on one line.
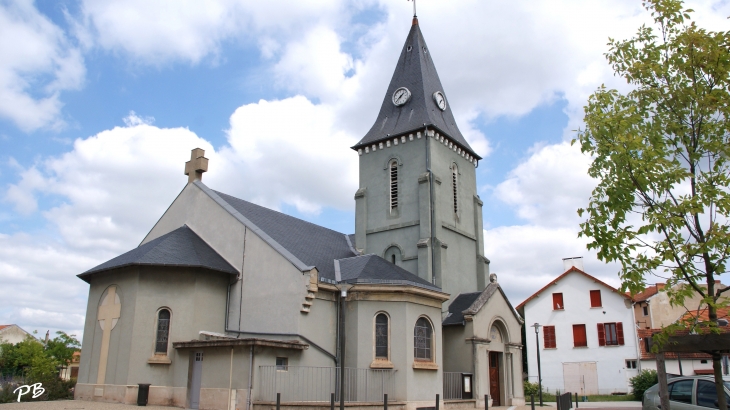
[[545, 190], [156, 32], [549, 187], [34, 71]]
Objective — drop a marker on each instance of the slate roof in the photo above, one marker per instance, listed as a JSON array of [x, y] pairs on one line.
[[416, 71], [458, 305], [312, 244], [472, 303], [181, 247], [376, 270]]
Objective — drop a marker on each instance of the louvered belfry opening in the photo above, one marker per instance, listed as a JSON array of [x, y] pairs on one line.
[[393, 185], [454, 173]]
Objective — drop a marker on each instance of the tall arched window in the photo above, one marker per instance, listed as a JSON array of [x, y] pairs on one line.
[[381, 336], [163, 331], [454, 186], [422, 339], [393, 185]]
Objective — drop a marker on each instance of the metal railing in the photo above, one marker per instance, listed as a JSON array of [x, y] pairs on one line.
[[452, 386], [316, 384]]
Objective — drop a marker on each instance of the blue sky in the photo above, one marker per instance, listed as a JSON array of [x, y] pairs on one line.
[[104, 100]]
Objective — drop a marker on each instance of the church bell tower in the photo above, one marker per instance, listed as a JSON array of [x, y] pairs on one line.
[[417, 204]]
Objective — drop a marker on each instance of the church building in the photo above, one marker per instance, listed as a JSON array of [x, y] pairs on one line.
[[225, 304]]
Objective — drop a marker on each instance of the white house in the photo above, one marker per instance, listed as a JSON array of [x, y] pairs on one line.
[[12, 334], [587, 337]]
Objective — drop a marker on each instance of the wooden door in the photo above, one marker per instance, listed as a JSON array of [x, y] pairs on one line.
[[494, 378]]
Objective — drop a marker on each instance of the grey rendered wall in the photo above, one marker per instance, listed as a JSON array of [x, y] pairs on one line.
[[459, 265], [383, 227], [458, 352], [320, 326], [459, 231], [196, 301], [205, 217], [120, 337], [410, 384]]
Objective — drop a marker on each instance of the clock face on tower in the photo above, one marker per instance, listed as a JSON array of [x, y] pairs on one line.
[[401, 96], [438, 97]]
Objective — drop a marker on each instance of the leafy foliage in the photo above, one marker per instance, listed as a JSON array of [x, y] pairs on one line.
[[641, 382], [30, 361], [661, 156]]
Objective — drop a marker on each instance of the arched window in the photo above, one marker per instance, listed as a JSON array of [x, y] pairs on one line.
[[163, 331], [422, 340], [381, 336], [454, 186], [393, 184], [393, 254]]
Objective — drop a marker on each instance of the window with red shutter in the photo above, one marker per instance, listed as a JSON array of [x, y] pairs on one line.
[[620, 333], [596, 298], [579, 336], [558, 301], [549, 337], [601, 335]]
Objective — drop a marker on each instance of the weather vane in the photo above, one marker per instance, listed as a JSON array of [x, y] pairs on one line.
[[414, 7]]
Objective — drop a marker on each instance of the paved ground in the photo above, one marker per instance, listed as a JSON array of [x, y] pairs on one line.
[[73, 405], [95, 405], [605, 405]]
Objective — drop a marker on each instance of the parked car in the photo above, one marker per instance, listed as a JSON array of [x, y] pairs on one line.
[[686, 393]]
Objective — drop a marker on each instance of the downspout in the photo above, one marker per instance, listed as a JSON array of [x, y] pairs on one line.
[[250, 379], [430, 186], [636, 328], [243, 264], [230, 380]]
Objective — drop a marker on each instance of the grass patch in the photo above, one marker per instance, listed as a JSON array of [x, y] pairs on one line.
[[611, 397]]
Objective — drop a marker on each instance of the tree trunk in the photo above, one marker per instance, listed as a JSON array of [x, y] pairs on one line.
[[661, 373], [717, 367]]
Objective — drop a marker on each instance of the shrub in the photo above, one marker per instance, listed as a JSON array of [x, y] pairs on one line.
[[643, 381], [531, 388]]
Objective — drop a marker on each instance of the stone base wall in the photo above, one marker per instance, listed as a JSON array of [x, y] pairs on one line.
[[461, 404], [325, 406], [111, 393]]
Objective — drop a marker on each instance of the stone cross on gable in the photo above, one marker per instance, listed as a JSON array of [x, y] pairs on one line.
[[110, 311], [196, 166]]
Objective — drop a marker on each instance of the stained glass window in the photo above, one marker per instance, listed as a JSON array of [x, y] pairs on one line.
[[422, 339], [381, 336], [163, 331]]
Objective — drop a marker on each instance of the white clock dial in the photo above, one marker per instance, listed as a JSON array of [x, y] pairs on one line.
[[438, 97], [401, 96]]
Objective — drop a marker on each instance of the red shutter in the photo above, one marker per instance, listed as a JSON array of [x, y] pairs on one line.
[[596, 298], [558, 301], [549, 337], [620, 333], [579, 336], [601, 335]]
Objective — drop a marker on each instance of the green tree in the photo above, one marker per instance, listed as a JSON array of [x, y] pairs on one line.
[[62, 347], [661, 157]]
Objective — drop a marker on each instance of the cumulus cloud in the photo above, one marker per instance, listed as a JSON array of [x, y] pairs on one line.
[[157, 32], [545, 190], [34, 71]]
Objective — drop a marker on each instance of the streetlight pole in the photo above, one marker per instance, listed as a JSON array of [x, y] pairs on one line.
[[539, 372], [343, 287]]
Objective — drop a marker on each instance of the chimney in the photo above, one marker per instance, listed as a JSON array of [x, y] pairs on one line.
[[576, 261]]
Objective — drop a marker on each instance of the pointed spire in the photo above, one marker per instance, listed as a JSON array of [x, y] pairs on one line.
[[426, 103]]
